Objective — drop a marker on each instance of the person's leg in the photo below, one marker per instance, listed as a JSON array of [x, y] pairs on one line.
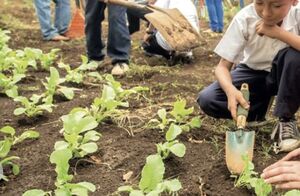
[[94, 15], [220, 13], [119, 43], [62, 16], [152, 47], [213, 101], [285, 80], [43, 11], [213, 19]]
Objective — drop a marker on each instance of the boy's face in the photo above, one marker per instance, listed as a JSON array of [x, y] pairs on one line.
[[273, 11]]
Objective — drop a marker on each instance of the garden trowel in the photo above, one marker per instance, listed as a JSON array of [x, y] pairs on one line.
[[239, 142]]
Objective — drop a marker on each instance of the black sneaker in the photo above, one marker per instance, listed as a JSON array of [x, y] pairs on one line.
[[288, 136]]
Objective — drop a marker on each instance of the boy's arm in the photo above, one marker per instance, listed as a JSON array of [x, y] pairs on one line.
[[234, 96], [279, 33]]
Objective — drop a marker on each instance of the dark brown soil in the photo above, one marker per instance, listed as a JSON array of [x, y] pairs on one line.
[[202, 171]]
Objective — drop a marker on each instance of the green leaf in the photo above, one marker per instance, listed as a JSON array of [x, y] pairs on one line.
[[87, 185], [173, 132], [60, 145], [195, 122], [27, 134], [35, 192], [15, 169], [173, 185], [89, 147], [8, 130], [19, 111], [67, 92], [152, 173], [62, 192], [91, 136], [5, 148], [292, 193], [136, 193], [178, 149], [179, 109], [125, 189], [61, 159]]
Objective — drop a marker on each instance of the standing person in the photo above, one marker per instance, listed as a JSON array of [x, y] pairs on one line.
[[267, 33], [215, 14], [57, 31], [118, 43]]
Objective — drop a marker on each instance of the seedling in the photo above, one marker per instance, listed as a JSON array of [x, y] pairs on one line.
[[248, 179], [79, 134], [32, 106], [8, 84], [11, 139], [53, 87], [78, 74], [48, 59], [171, 145], [63, 186], [151, 182]]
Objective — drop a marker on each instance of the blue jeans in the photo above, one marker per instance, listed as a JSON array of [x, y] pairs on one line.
[[118, 44], [215, 13], [62, 17]]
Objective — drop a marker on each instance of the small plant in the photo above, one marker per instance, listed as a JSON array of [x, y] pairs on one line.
[[179, 115], [8, 84], [53, 87], [248, 179], [78, 74], [63, 186], [79, 134], [292, 193], [152, 182], [171, 145], [11, 139], [32, 106], [48, 59]]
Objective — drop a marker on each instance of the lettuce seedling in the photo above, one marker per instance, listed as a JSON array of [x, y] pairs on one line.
[[79, 134], [248, 179], [53, 87], [292, 193], [77, 75], [32, 107], [8, 84], [152, 182], [63, 186], [11, 139], [171, 145], [48, 59]]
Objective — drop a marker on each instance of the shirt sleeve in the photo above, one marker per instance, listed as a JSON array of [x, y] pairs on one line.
[[234, 40]]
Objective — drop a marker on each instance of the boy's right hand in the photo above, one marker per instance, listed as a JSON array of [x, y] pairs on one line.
[[235, 97]]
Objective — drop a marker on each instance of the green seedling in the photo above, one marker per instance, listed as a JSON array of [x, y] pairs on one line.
[[178, 115], [63, 186], [79, 135], [292, 193], [151, 182], [48, 59], [4, 38], [8, 84], [78, 74], [249, 179], [53, 87], [171, 145], [29, 56], [32, 107], [9, 140], [123, 94]]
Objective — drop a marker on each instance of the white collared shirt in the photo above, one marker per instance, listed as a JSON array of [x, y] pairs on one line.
[[241, 39], [187, 9]]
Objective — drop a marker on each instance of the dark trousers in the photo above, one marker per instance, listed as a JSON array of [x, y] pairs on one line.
[[118, 45], [283, 81]]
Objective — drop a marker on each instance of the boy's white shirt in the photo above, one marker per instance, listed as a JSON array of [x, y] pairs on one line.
[[241, 39], [188, 10]]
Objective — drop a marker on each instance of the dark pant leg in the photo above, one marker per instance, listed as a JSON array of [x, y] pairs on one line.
[[119, 43], [284, 80], [152, 47], [94, 15], [213, 100]]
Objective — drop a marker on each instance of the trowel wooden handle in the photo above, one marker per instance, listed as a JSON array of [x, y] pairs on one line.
[[127, 4], [242, 113]]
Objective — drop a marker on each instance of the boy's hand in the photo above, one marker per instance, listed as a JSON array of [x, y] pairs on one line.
[[283, 174], [271, 31], [235, 97]]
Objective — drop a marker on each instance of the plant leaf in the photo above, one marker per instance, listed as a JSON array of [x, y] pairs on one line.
[[178, 149], [173, 132]]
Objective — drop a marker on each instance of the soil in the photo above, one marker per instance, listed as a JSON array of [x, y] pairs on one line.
[[202, 171]]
